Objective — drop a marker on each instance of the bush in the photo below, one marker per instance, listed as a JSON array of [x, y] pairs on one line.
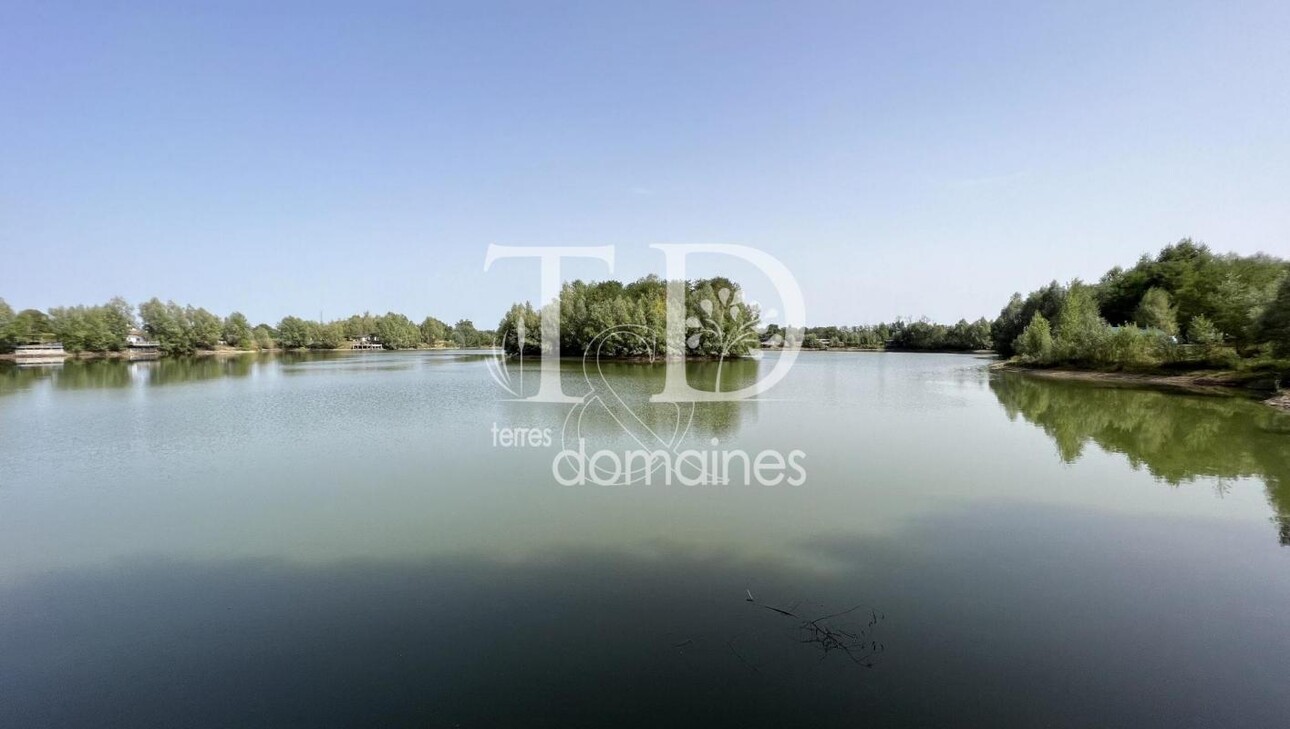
[[1036, 341]]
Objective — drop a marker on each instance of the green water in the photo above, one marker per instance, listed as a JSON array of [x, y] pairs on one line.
[[339, 540]]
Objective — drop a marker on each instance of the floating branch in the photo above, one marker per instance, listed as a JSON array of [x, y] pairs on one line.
[[856, 643]]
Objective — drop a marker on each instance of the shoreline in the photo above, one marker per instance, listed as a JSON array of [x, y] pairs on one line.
[[229, 352], [1221, 383]]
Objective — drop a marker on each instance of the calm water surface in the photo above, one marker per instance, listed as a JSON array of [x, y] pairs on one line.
[[337, 541]]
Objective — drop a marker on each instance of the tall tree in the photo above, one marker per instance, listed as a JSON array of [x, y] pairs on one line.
[[1274, 324], [1036, 341], [1080, 328], [6, 319], [396, 331], [1156, 311], [294, 333], [237, 331], [433, 331]]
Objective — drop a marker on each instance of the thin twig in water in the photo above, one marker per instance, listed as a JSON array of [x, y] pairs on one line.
[[731, 645]]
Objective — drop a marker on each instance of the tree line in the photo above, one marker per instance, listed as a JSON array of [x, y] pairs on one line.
[[178, 329], [920, 335], [1186, 305]]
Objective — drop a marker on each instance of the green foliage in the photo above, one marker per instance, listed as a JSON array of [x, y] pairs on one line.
[[294, 333], [1080, 330], [631, 320], [1155, 311], [718, 323], [464, 334], [1274, 322], [186, 329], [29, 326], [521, 330], [180, 329], [169, 325], [857, 337], [6, 319], [396, 331], [1202, 331], [327, 336], [265, 337], [204, 328], [1221, 297], [360, 325], [1133, 347], [433, 331], [92, 328], [1036, 341], [1019, 312], [237, 331], [924, 335]]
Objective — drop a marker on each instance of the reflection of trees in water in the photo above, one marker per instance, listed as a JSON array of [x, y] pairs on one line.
[[636, 382], [1176, 438], [15, 379], [98, 374], [92, 374], [177, 370]]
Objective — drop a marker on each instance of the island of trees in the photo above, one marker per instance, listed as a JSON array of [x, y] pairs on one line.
[[630, 320]]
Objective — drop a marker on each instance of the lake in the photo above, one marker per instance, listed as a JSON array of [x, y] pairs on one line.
[[379, 539]]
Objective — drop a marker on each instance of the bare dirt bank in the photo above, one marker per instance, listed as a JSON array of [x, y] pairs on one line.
[[1256, 385]]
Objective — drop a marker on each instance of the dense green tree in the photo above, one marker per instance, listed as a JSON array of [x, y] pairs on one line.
[[521, 330], [30, 326], [265, 337], [360, 325], [6, 319], [1035, 343], [1155, 311], [631, 320], [396, 331], [1185, 282], [1202, 331], [328, 336], [1020, 311], [1274, 323], [184, 329], [433, 331], [294, 333], [237, 331], [92, 328], [167, 324], [1080, 330], [205, 329], [465, 334]]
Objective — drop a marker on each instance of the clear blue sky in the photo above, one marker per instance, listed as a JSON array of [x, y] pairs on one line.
[[901, 158]]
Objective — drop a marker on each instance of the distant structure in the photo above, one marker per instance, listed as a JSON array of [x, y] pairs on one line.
[[138, 346], [39, 354], [367, 341]]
